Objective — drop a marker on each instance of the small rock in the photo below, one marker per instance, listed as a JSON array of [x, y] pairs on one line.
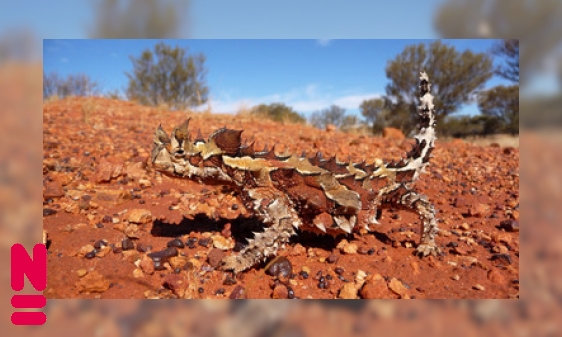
[[53, 189], [85, 250], [332, 258], [238, 293], [348, 291], [479, 210], [215, 257], [81, 272], [229, 281], [509, 225], [144, 183], [164, 254], [495, 276], [175, 283], [147, 265], [132, 231], [205, 242], [175, 243], [398, 287], [465, 226], [280, 265], [504, 259], [139, 216], [127, 244], [49, 211], [416, 267], [375, 288], [93, 282], [105, 171], [280, 292], [298, 249], [178, 261], [478, 287], [222, 243], [455, 277]]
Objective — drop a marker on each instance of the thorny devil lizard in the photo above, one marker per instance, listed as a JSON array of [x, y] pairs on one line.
[[286, 192]]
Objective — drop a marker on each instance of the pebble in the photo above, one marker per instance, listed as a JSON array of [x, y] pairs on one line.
[[504, 259], [280, 265], [229, 281], [509, 225], [190, 242], [221, 242], [398, 287], [81, 272], [496, 277], [139, 216], [215, 257], [100, 243], [90, 255], [175, 243], [456, 277], [204, 242], [375, 287], [127, 244], [141, 247], [164, 254], [49, 211], [146, 264], [238, 293], [93, 282], [280, 292], [478, 287], [348, 291]]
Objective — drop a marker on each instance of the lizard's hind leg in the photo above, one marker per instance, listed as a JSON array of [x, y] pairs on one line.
[[275, 211], [420, 204]]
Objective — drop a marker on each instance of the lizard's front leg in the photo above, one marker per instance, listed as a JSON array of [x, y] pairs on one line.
[[411, 200], [274, 210]]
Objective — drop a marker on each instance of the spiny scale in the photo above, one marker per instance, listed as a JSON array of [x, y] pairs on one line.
[[312, 193]]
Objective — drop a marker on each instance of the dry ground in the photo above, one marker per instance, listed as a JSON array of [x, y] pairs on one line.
[[98, 185]]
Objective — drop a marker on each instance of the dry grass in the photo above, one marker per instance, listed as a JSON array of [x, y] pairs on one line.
[[504, 140]]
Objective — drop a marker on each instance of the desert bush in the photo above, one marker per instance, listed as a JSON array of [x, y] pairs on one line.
[[333, 115], [455, 75], [278, 112], [168, 76], [72, 85]]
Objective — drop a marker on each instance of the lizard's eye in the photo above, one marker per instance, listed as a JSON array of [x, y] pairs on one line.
[[179, 153]]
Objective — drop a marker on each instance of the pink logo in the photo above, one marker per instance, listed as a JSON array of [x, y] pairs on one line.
[[36, 271]]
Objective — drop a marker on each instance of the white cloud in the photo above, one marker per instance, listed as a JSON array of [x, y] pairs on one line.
[[305, 100], [324, 42]]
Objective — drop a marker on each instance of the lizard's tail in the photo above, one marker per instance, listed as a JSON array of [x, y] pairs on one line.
[[425, 137], [418, 158]]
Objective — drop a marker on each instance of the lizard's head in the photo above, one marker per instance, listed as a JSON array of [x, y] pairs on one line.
[[179, 155]]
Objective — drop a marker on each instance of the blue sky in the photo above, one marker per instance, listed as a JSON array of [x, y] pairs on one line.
[[308, 75]]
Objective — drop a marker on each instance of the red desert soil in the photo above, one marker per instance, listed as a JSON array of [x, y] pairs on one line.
[[105, 210]]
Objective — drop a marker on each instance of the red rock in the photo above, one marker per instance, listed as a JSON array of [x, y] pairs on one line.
[[175, 283], [479, 210], [280, 292], [396, 286], [93, 282], [53, 189], [375, 288], [139, 216], [105, 171], [215, 257], [495, 276]]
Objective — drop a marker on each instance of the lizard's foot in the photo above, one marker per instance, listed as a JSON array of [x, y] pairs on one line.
[[424, 249]]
